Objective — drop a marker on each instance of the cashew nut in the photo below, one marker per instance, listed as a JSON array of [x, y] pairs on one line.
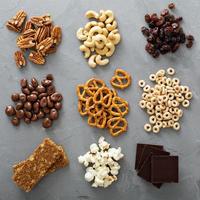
[[101, 61], [110, 16], [111, 48], [105, 32], [91, 24], [95, 29], [100, 37], [92, 62], [102, 51], [86, 51], [99, 45], [112, 26], [101, 24], [115, 38], [91, 14], [102, 16], [89, 43], [80, 34]]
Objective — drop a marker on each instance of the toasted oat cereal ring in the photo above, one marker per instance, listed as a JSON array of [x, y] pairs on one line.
[[117, 125], [92, 108], [82, 108], [101, 120], [121, 79], [103, 96], [82, 94]]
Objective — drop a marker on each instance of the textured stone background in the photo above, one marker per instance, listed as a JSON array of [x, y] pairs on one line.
[[69, 68]]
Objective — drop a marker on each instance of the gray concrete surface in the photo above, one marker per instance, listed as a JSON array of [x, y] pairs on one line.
[[69, 68]]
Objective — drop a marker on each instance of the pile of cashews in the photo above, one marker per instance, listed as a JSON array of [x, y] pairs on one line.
[[99, 37]]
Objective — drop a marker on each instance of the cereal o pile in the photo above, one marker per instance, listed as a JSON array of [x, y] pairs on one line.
[[101, 162], [99, 37], [104, 108], [163, 101]]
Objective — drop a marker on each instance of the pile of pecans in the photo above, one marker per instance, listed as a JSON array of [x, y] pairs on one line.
[[165, 33], [38, 35], [99, 37], [36, 101], [162, 101], [104, 108]]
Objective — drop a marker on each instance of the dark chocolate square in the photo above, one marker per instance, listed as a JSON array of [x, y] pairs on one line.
[[164, 169], [145, 171], [139, 150], [146, 152]]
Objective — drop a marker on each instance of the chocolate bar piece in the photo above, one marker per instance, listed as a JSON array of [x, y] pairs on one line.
[[145, 170], [164, 169], [147, 150], [139, 151], [43, 160]]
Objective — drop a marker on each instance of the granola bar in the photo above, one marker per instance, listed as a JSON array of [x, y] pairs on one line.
[[45, 159]]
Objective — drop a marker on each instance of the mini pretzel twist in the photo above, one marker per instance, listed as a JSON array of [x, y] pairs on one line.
[[121, 79], [117, 125]]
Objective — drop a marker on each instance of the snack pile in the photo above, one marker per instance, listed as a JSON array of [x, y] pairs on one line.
[[46, 158], [121, 79], [35, 101], [102, 163], [164, 33], [155, 165], [99, 37], [163, 101], [104, 108], [38, 35]]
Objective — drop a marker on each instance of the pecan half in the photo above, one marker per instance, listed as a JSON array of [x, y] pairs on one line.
[[26, 43], [28, 25], [19, 59], [41, 20], [29, 33], [16, 22], [36, 58], [43, 46], [41, 33], [52, 49], [56, 34]]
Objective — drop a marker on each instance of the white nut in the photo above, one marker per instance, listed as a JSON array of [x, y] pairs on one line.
[[110, 16], [91, 14], [99, 45], [101, 24], [115, 38], [102, 52], [102, 16], [105, 32], [101, 61], [85, 50], [100, 38], [95, 29], [89, 25], [91, 61], [112, 26], [89, 43], [80, 34], [111, 48]]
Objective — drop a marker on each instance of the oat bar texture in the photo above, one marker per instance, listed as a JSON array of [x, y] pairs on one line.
[[47, 157]]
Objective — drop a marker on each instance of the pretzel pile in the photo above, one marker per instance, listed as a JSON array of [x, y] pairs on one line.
[[103, 106]]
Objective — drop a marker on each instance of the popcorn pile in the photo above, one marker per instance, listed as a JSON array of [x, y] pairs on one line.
[[163, 101], [101, 162]]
